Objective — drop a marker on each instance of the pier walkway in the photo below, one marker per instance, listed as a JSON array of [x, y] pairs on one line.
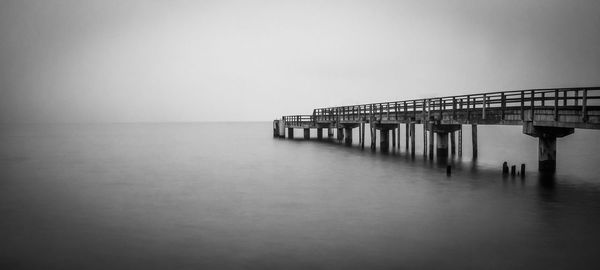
[[544, 113]]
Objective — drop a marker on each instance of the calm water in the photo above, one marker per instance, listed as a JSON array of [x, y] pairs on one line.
[[229, 196]]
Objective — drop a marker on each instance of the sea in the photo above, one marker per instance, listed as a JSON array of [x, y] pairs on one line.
[[231, 196]]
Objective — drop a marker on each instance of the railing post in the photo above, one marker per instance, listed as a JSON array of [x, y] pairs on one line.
[[522, 105], [442, 103], [388, 111], [396, 112], [380, 111], [543, 99], [484, 105], [414, 109], [468, 108], [405, 110], [453, 108], [584, 109], [502, 105], [555, 104], [565, 98], [532, 96], [423, 112], [577, 97]]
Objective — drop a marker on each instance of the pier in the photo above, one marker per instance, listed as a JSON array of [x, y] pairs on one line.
[[546, 114]]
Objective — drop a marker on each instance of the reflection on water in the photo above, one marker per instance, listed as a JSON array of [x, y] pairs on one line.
[[229, 196]]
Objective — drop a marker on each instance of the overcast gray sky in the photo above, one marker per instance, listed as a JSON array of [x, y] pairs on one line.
[[123, 61]]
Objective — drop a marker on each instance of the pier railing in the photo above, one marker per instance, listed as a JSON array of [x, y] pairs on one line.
[[517, 105]]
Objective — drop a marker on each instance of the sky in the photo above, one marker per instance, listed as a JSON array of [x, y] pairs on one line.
[[163, 61]]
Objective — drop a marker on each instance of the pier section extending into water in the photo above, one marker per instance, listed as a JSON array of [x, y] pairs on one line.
[[546, 114]]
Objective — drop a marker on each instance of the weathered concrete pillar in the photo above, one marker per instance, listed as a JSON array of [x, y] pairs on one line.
[[291, 133], [340, 134], [442, 145], [319, 133], [547, 144], [384, 143], [412, 139], [307, 133], [348, 136], [452, 144], [474, 140], [329, 132]]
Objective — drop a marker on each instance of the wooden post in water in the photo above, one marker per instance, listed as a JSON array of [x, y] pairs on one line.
[[452, 144], [373, 134], [412, 139], [431, 143], [362, 136], [399, 125], [393, 138], [474, 139], [460, 142], [424, 139], [407, 135]]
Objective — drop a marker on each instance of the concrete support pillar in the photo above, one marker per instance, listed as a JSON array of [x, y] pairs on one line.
[[319, 133], [547, 144], [330, 133], [547, 154], [474, 140], [290, 133], [340, 134], [442, 145], [348, 136], [384, 143], [452, 144], [307, 133], [399, 137], [412, 139], [393, 138]]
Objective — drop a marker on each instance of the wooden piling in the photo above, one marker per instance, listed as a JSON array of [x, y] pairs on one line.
[[431, 141], [407, 135], [412, 139], [362, 136], [393, 138], [452, 144], [424, 139], [460, 142], [474, 140]]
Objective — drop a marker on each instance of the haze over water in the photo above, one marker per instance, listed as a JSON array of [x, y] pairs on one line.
[[230, 196]]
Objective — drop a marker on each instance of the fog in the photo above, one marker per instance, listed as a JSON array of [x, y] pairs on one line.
[[146, 61]]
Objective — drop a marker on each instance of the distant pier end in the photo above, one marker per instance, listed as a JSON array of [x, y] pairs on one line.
[[546, 114]]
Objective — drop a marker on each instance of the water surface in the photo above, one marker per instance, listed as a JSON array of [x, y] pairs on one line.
[[230, 196]]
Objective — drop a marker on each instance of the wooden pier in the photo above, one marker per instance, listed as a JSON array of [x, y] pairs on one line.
[[543, 113]]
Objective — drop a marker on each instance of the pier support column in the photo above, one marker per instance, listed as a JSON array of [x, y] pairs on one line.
[[362, 136], [319, 133], [474, 140], [412, 139], [442, 145], [393, 138], [307, 133], [460, 142], [384, 139], [330, 133], [399, 137], [340, 134], [431, 146], [373, 135], [424, 139], [407, 135], [452, 144], [547, 144], [348, 136], [290, 133]]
